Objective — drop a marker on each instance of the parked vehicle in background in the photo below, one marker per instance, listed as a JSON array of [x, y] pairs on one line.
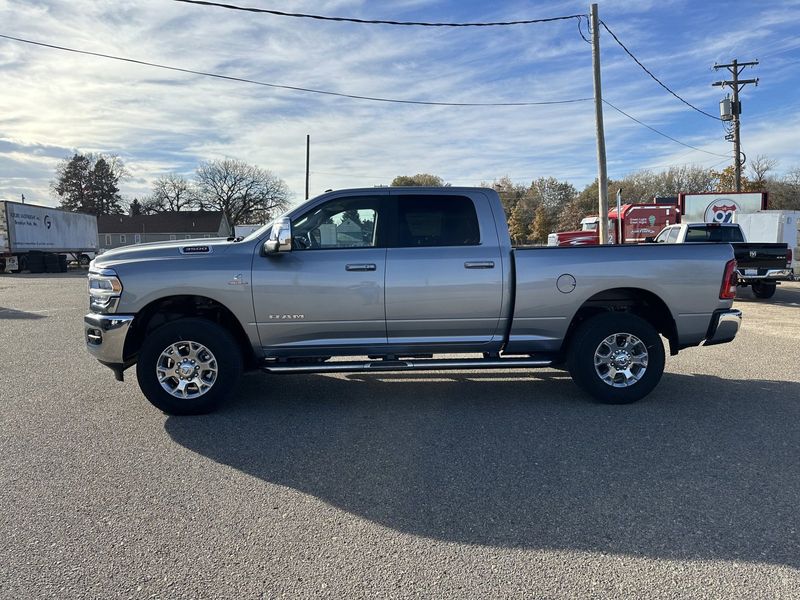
[[241, 231], [396, 276], [776, 226], [42, 239], [759, 265], [638, 222]]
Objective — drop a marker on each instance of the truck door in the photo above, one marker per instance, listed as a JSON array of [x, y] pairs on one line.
[[444, 271], [328, 292]]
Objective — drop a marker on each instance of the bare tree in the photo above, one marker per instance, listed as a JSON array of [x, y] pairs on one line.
[[245, 193], [759, 167], [171, 192]]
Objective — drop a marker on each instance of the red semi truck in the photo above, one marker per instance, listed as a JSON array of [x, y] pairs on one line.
[[638, 222]]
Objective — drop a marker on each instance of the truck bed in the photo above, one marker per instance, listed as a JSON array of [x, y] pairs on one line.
[[552, 283]]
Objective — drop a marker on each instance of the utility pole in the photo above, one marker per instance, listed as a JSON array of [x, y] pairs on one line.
[[308, 158], [736, 85], [602, 175]]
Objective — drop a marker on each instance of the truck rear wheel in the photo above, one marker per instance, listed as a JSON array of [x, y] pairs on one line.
[[188, 366], [618, 358], [763, 290]]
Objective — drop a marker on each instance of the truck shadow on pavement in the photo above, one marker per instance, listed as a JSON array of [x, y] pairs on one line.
[[704, 468], [13, 313], [785, 295]]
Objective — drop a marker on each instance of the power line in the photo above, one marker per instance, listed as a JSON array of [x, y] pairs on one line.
[[656, 79], [661, 133], [288, 87], [580, 29], [375, 21]]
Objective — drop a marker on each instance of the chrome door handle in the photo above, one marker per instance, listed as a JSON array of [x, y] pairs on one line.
[[485, 264], [360, 267]]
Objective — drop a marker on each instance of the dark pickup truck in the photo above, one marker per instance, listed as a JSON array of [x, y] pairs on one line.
[[759, 265]]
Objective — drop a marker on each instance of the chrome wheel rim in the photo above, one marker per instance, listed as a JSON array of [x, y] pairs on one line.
[[621, 360], [186, 369]]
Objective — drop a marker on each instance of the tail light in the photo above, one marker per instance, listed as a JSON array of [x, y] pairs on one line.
[[788, 258], [729, 280]]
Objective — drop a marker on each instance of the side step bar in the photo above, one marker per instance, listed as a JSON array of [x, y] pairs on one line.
[[406, 365]]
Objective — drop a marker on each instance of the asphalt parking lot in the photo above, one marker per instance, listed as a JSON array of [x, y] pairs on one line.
[[473, 484]]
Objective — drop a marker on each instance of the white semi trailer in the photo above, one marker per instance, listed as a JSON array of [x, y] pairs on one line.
[[41, 238], [774, 226]]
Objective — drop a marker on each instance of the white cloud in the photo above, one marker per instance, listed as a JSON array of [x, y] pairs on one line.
[[160, 121]]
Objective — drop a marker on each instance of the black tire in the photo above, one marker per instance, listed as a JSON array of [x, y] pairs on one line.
[[36, 263], [587, 341], [763, 290], [84, 260], [216, 339]]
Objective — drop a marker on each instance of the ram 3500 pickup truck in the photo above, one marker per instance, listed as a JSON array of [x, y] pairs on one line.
[[397, 276], [760, 265]]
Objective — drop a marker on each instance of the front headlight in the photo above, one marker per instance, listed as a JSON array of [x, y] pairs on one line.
[[104, 290]]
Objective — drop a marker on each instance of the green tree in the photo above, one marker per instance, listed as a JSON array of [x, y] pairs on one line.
[[420, 179], [135, 208], [89, 183], [520, 220], [510, 193], [725, 180], [104, 188], [544, 223]]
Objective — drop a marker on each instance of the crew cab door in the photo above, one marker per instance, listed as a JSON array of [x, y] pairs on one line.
[[328, 291], [444, 271]]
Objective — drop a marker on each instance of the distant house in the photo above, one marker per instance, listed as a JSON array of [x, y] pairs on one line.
[[120, 230]]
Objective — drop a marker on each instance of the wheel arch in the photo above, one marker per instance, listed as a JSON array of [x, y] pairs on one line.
[[171, 308], [643, 303]]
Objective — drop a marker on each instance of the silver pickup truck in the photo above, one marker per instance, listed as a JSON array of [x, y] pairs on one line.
[[386, 279]]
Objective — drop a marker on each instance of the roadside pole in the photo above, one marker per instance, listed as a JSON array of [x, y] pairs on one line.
[[602, 176], [308, 158]]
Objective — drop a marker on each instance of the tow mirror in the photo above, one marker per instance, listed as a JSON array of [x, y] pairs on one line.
[[280, 238]]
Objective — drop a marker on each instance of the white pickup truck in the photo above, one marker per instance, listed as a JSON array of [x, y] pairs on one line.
[[761, 265]]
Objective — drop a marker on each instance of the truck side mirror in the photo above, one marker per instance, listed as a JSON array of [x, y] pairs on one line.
[[280, 238], [649, 240]]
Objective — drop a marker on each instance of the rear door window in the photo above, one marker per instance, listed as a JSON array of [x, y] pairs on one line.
[[443, 220]]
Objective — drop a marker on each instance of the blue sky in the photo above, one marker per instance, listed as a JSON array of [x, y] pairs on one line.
[[160, 121]]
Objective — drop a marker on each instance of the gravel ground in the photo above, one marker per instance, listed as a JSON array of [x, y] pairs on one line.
[[472, 484]]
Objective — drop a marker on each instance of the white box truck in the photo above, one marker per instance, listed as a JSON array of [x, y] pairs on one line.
[[782, 226], [42, 238]]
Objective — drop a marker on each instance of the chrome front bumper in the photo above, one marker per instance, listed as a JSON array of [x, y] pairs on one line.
[[724, 327], [105, 336]]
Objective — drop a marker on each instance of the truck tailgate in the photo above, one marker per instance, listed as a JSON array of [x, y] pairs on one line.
[[760, 256]]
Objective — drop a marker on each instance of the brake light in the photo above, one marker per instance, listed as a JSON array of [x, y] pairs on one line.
[[788, 258], [729, 280]]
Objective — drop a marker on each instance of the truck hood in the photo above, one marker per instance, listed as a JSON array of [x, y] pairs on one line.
[[156, 250]]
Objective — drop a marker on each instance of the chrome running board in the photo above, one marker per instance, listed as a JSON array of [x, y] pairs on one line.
[[358, 366]]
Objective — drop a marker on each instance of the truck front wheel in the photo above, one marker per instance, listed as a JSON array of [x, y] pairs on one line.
[[188, 366], [618, 358], [763, 290]]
